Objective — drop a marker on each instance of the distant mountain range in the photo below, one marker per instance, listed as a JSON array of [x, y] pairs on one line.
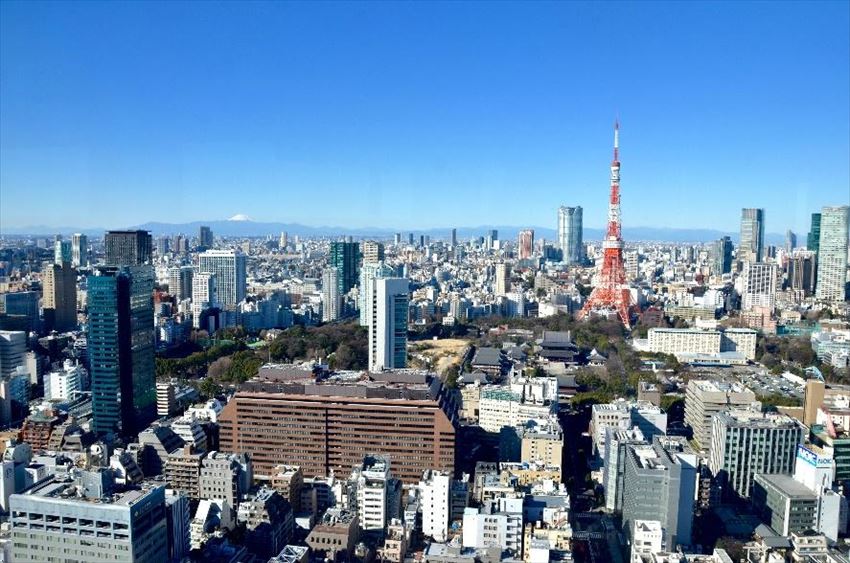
[[243, 227]]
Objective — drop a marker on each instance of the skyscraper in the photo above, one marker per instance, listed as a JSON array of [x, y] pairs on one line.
[[204, 295], [368, 274], [128, 248], [79, 250], [180, 282], [229, 269], [503, 279], [813, 240], [801, 272], [62, 251], [832, 253], [373, 252], [570, 234], [752, 235], [388, 331], [60, 297], [345, 257], [758, 286], [454, 238], [790, 241], [525, 244], [331, 299], [722, 255], [205, 238], [121, 349]]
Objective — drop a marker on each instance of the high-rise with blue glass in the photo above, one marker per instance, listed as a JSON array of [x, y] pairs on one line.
[[345, 257], [121, 349]]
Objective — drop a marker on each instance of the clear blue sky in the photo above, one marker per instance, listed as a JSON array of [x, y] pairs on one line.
[[417, 115]]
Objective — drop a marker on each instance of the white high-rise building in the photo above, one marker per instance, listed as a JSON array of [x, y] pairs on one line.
[[368, 274], [373, 489], [832, 253], [229, 269], [331, 300], [435, 490], [64, 384], [758, 286], [570, 234], [204, 294], [503, 279], [388, 332]]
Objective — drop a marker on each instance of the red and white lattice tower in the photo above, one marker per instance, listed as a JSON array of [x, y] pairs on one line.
[[611, 294]]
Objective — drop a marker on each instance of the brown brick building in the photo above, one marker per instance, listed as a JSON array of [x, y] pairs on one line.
[[323, 422]]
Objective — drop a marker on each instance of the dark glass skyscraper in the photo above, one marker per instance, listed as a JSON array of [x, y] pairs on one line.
[[813, 240], [722, 254], [121, 349], [345, 257], [128, 248], [205, 238]]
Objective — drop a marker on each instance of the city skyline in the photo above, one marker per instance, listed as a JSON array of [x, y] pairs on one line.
[[382, 122]]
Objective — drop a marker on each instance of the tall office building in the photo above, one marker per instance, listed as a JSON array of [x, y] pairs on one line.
[[230, 278], [758, 286], [283, 240], [388, 330], [368, 274], [801, 272], [345, 257], [79, 250], [660, 484], [570, 234], [752, 235], [454, 238], [503, 279], [24, 305], [832, 253], [705, 399], [128, 248], [62, 251], [790, 241], [180, 282], [205, 238], [525, 244], [162, 245], [59, 297], [13, 349], [373, 252], [70, 520], [746, 442], [121, 349], [204, 295], [288, 416], [722, 256], [331, 299], [813, 239]]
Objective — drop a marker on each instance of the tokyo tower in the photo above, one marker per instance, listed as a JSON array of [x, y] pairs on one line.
[[611, 294]]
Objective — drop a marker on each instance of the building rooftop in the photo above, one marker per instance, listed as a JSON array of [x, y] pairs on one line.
[[713, 386], [787, 485], [487, 357], [410, 384], [755, 418], [66, 489]]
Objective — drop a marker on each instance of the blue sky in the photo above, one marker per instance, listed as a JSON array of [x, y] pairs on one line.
[[415, 115]]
